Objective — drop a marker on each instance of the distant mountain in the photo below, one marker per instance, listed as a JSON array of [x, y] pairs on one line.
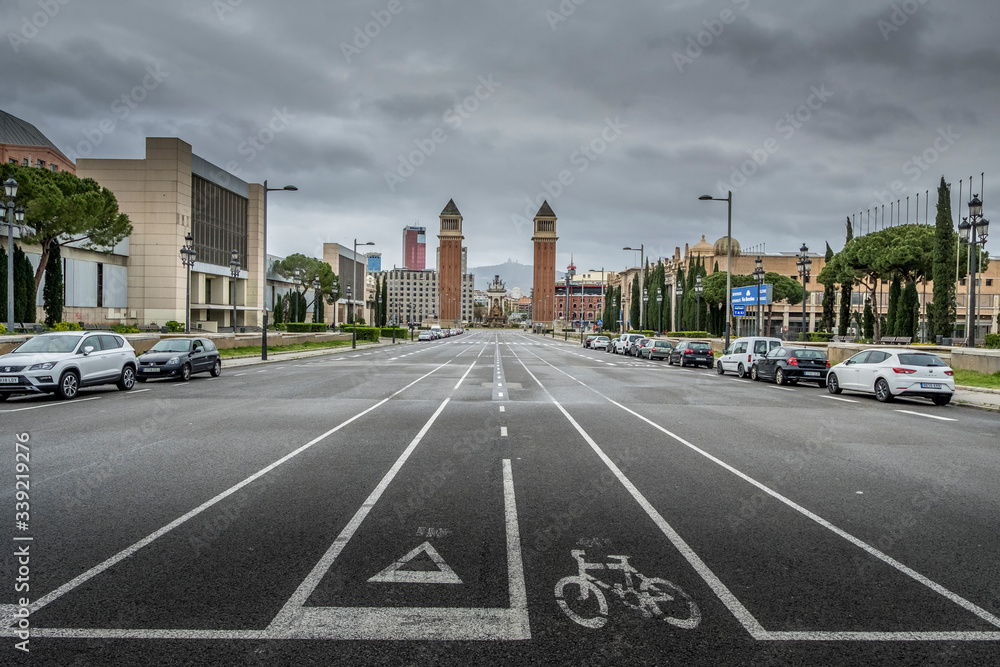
[[513, 274]]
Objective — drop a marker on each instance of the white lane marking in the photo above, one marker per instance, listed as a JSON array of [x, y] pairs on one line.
[[239, 375], [921, 414], [443, 575], [139, 391], [503, 409], [500, 394], [53, 405], [128, 551], [290, 611], [515, 567], [393, 358], [355, 355], [837, 398], [459, 383], [770, 386], [885, 558], [503, 431], [499, 384], [263, 371]]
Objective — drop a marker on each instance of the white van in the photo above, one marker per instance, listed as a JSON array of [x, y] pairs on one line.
[[743, 353]]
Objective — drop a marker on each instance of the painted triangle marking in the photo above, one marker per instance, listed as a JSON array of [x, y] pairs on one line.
[[393, 573]]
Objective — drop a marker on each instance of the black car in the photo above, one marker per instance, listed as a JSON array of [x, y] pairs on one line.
[[788, 365], [181, 358], [692, 353]]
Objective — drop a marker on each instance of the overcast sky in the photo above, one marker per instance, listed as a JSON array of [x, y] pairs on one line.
[[382, 110]]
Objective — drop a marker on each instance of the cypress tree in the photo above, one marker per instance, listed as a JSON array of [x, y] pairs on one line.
[[908, 311], [942, 311], [893, 319], [633, 313], [846, 288], [868, 323], [385, 301], [829, 297], [24, 287], [279, 309], [3, 283], [52, 294]]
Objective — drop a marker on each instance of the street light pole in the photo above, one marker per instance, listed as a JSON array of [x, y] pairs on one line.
[[698, 288], [298, 279], [263, 337], [316, 298], [659, 302], [804, 263], [729, 262], [976, 226], [679, 291], [10, 189], [758, 274], [234, 271], [354, 329], [188, 257], [642, 263], [355, 272]]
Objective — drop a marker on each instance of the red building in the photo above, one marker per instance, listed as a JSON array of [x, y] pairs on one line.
[[585, 302], [415, 248]]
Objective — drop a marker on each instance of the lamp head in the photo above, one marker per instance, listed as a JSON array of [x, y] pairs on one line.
[[10, 188], [706, 198], [19, 216], [975, 207], [804, 249], [189, 238], [963, 229]]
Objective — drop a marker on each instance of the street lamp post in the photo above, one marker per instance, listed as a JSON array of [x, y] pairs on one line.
[[316, 297], [354, 329], [642, 264], [698, 289], [263, 337], [978, 228], [234, 271], [804, 263], [355, 274], [659, 303], [729, 262], [758, 274], [298, 280], [645, 299], [409, 321], [13, 213], [679, 291], [188, 257]]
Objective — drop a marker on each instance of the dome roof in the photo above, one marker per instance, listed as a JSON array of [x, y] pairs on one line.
[[721, 249], [702, 247]]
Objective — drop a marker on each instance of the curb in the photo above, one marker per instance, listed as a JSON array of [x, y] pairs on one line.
[[275, 357]]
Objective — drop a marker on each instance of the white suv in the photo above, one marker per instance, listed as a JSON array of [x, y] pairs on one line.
[[625, 341], [62, 362], [743, 353]]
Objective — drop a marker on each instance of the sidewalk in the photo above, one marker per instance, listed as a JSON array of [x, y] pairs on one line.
[[276, 357], [977, 397]]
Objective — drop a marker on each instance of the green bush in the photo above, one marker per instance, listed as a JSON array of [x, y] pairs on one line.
[[67, 326], [173, 326], [820, 336], [363, 333], [992, 341], [304, 327], [123, 329], [3, 329], [689, 334], [386, 332]]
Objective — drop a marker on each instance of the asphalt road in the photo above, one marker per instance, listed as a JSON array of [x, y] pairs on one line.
[[498, 498]]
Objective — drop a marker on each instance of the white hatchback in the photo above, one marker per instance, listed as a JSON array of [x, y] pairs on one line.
[[890, 373]]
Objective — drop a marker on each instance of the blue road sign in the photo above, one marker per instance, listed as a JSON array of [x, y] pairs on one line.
[[739, 311], [600, 323], [747, 296]]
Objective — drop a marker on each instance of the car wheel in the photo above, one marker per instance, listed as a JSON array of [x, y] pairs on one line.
[[754, 375], [217, 368], [719, 369], [69, 385], [941, 400], [882, 392], [832, 384], [682, 361], [741, 371], [127, 379], [185, 372]]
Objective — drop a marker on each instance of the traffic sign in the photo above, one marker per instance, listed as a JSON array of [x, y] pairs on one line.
[[600, 323], [739, 311], [747, 296]]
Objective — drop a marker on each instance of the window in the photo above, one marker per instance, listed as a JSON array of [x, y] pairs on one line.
[[760, 347], [41, 164], [989, 282], [100, 285]]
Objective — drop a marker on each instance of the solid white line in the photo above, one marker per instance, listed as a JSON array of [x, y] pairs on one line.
[[53, 405], [503, 409], [503, 431], [298, 599], [921, 414], [239, 375], [515, 568], [837, 398], [771, 386], [459, 383], [824, 636], [139, 391]]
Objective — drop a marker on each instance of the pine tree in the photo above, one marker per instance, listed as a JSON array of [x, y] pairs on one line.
[[942, 312], [893, 320], [52, 295], [846, 288], [829, 297]]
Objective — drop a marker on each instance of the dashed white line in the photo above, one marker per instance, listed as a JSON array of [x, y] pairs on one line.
[[837, 398], [921, 414], [503, 431], [52, 405]]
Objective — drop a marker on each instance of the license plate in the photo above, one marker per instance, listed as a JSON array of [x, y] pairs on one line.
[[151, 370], [812, 373], [8, 380], [929, 385]]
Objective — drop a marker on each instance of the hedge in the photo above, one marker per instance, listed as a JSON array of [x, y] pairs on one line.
[[689, 334], [305, 327], [67, 326], [992, 341], [387, 332], [363, 333], [820, 336]]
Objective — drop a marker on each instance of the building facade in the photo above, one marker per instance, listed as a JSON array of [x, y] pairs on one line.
[[450, 283], [414, 295], [374, 262], [21, 143], [543, 284], [415, 248], [351, 270]]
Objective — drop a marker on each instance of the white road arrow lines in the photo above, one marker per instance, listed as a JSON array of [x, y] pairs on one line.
[[395, 574]]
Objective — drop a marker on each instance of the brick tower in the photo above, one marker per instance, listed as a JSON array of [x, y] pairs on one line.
[[450, 265], [543, 302]]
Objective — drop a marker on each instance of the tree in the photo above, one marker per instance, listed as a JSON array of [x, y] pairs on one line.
[[52, 294], [61, 208], [633, 313], [868, 323], [908, 311], [829, 298], [385, 302], [24, 293], [3, 282], [279, 309], [942, 311], [783, 289], [309, 269], [846, 283], [895, 291]]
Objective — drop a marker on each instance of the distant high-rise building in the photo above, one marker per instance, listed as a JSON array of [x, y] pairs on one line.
[[374, 262], [414, 248]]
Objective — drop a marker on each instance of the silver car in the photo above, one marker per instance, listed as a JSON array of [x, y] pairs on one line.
[[63, 362]]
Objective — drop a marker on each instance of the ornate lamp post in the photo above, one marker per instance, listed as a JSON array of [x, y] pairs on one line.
[[354, 329], [679, 291], [298, 281], [978, 228], [14, 214], [729, 262], [645, 299], [234, 271], [804, 263], [758, 275], [188, 258], [659, 302], [316, 297], [698, 289]]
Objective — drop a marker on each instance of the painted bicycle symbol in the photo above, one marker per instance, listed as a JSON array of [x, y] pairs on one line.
[[653, 598]]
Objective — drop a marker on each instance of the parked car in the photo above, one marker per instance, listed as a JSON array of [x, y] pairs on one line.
[[692, 353], [743, 353], [656, 348], [63, 362], [625, 341], [635, 346], [788, 365], [889, 374], [589, 339], [180, 358], [600, 343], [425, 335], [611, 345]]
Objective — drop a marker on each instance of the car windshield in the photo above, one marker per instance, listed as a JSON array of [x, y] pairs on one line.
[[920, 360], [808, 354], [603, 339], [700, 346], [171, 346], [41, 344], [661, 343]]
